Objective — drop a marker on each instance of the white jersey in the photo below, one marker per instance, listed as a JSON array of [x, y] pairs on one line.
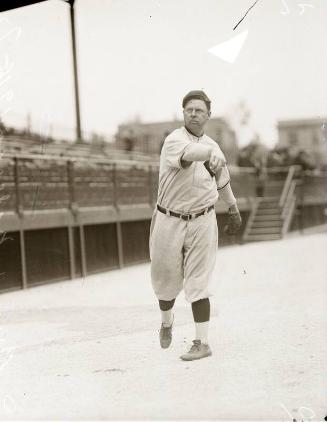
[[190, 189]]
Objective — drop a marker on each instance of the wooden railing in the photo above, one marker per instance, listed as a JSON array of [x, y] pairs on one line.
[[40, 182]]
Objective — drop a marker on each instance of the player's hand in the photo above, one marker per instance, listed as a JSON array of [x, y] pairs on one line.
[[234, 221], [206, 165], [216, 161]]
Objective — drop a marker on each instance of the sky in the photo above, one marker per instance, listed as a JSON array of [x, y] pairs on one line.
[[137, 59]]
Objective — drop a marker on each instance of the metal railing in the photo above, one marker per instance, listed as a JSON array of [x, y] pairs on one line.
[[286, 187], [287, 199]]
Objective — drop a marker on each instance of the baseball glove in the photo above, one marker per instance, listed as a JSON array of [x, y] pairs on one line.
[[234, 221]]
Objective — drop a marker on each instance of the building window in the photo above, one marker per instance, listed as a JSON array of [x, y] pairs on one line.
[[315, 139], [292, 138], [146, 143]]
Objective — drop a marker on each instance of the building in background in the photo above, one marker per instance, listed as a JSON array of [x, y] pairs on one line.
[[306, 135], [148, 137]]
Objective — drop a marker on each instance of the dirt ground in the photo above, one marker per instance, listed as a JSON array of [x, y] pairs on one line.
[[88, 349]]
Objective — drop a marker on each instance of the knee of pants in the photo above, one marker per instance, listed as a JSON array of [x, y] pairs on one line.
[[166, 289], [195, 294]]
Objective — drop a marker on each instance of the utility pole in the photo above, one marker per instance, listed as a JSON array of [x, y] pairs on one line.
[[78, 117]]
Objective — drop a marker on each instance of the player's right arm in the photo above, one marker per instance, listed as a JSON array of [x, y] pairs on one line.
[[196, 152], [178, 151], [200, 152]]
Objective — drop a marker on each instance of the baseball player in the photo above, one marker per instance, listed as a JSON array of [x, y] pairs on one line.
[[184, 233]]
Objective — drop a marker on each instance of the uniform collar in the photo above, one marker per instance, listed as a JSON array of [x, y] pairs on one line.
[[192, 134]]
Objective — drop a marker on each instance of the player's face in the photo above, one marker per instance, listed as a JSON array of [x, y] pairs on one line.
[[196, 116]]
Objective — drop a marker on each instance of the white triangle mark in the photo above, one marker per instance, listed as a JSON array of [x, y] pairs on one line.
[[229, 50]]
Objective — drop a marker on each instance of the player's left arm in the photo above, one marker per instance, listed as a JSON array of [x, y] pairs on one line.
[[222, 176], [234, 216]]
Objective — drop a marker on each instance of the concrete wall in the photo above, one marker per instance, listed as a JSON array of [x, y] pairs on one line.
[[50, 255]]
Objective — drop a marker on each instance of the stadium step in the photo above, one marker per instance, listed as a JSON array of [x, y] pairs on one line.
[[269, 211], [267, 217], [274, 188], [264, 230], [268, 204], [262, 237], [267, 220], [269, 199], [266, 223]]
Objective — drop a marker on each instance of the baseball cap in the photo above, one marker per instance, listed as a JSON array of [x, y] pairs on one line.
[[197, 95]]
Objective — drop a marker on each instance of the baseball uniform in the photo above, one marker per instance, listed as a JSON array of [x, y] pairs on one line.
[[183, 249]]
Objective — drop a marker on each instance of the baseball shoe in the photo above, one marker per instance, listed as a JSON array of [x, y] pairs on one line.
[[165, 335], [197, 351]]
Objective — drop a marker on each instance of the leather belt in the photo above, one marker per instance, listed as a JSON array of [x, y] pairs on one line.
[[186, 217]]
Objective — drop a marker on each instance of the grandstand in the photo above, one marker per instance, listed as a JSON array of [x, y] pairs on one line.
[[64, 217], [70, 209], [25, 141], [19, 146]]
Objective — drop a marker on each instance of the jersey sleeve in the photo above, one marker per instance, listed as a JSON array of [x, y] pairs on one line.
[[174, 147], [222, 177], [227, 195]]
